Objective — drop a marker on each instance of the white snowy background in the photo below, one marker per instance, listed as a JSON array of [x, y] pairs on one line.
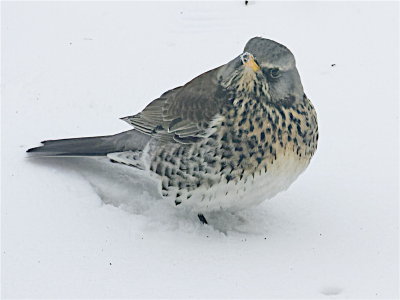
[[77, 229]]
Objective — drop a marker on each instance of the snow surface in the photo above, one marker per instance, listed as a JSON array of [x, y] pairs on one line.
[[77, 229]]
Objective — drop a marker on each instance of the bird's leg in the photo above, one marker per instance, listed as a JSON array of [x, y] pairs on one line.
[[202, 219]]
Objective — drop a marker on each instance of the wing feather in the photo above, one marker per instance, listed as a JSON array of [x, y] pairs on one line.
[[183, 114]]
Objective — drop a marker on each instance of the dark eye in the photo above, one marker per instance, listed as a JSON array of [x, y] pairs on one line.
[[274, 73], [271, 74]]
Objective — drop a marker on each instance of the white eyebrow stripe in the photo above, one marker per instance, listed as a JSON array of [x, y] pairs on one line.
[[269, 66]]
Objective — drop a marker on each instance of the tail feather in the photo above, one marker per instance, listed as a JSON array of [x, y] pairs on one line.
[[131, 140]]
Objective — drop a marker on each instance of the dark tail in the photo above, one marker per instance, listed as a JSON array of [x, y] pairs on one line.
[[131, 140]]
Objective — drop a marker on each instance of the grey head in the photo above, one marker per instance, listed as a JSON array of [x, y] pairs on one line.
[[277, 73]]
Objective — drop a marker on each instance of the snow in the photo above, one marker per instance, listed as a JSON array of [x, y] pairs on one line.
[[80, 229]]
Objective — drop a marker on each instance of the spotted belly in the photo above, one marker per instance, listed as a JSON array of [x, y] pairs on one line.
[[251, 189], [215, 192], [247, 159]]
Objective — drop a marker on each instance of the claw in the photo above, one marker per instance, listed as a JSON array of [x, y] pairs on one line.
[[202, 219]]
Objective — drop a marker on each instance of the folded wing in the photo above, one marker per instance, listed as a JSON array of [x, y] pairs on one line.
[[183, 114]]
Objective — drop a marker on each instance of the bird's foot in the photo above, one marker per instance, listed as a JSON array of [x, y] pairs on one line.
[[202, 219]]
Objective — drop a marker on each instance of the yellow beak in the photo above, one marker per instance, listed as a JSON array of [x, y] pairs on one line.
[[252, 64]]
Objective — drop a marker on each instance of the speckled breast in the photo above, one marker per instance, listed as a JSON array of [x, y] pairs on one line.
[[255, 151]]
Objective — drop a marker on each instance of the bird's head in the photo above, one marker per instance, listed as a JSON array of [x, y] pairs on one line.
[[266, 70]]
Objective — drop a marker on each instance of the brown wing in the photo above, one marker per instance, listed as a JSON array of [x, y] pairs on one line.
[[184, 113]]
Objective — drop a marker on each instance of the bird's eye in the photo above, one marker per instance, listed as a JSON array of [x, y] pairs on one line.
[[274, 73]]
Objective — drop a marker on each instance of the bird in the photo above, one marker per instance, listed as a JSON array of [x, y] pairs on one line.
[[226, 140]]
